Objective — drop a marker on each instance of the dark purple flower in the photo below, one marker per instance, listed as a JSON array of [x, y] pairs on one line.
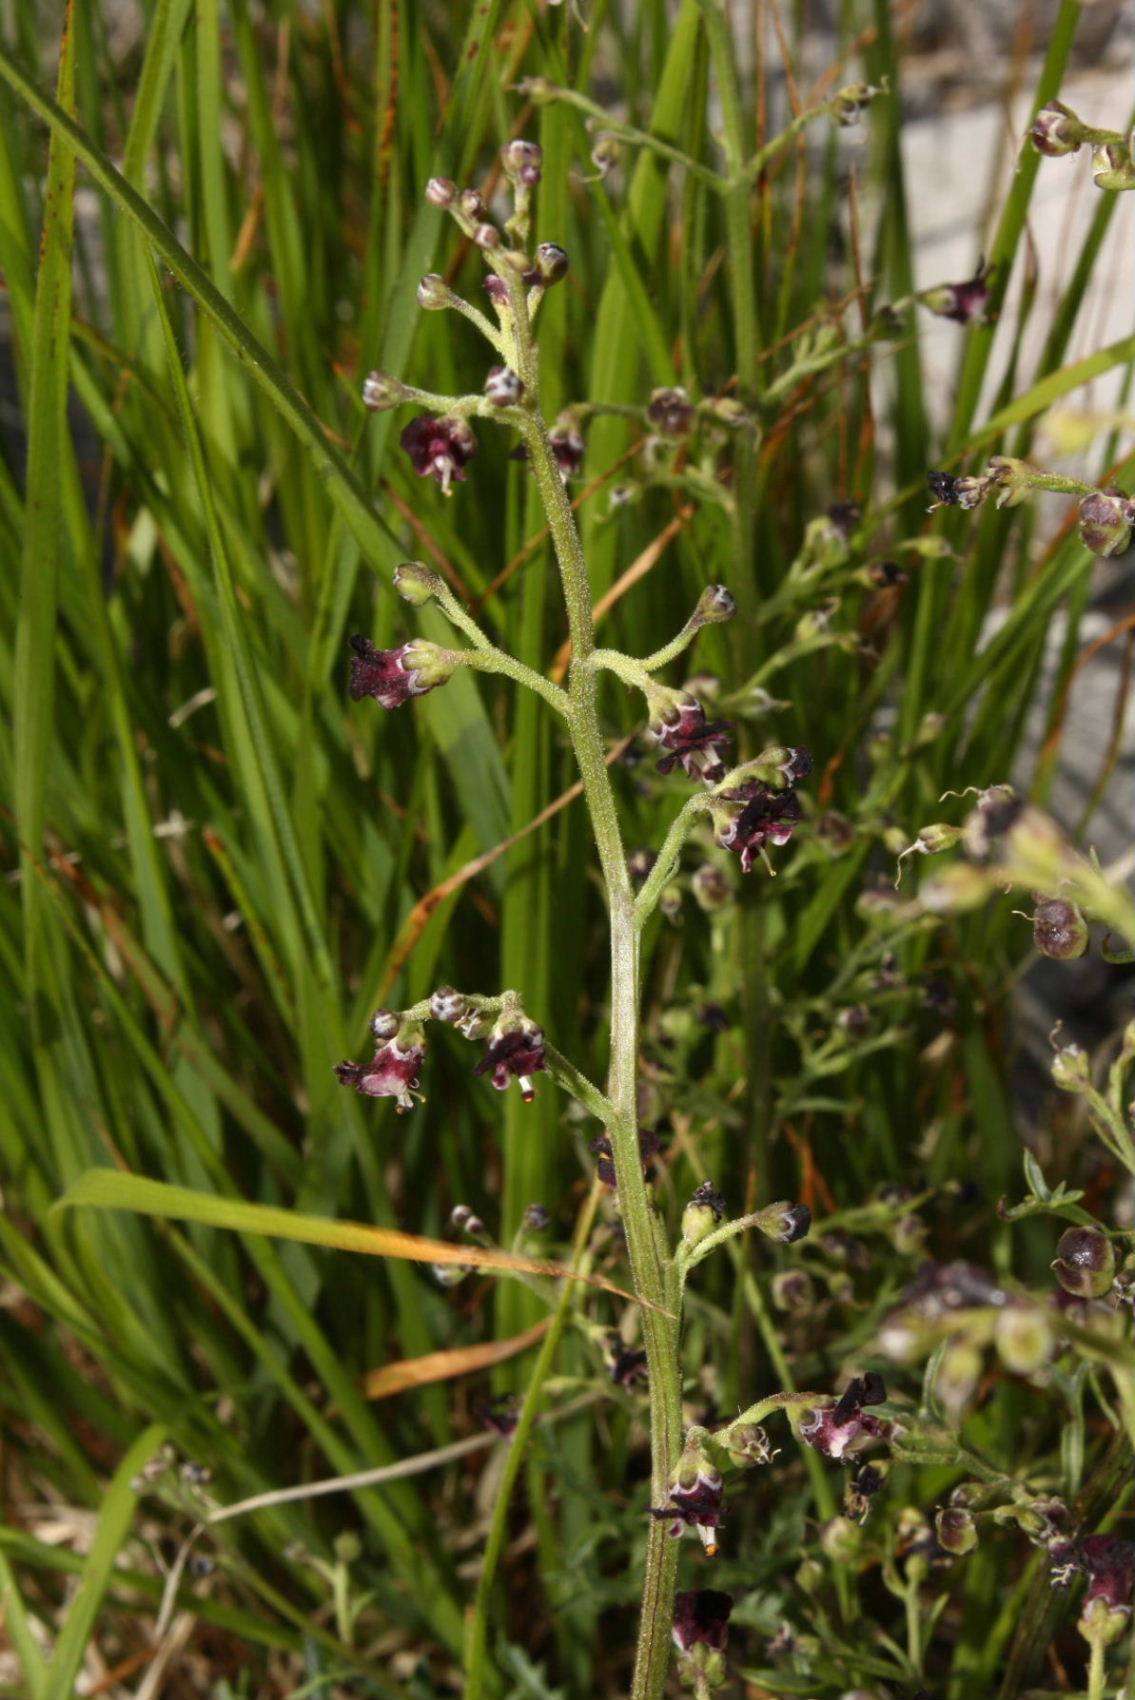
[[567, 447], [626, 1364], [965, 303], [514, 1053], [1110, 1566], [499, 1415], [440, 447], [1056, 131], [701, 1615], [832, 1429], [952, 492], [648, 1145], [393, 1071], [767, 816], [694, 1493], [680, 727], [671, 413], [393, 676]]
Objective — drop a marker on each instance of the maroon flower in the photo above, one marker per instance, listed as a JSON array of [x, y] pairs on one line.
[[965, 303], [767, 816], [701, 1614], [648, 1145], [626, 1364], [832, 1429], [393, 676], [680, 727], [441, 447], [514, 1053], [567, 447], [671, 413], [695, 1497], [393, 1071], [1110, 1565]]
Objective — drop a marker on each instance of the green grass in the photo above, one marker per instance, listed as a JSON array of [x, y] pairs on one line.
[[212, 851]]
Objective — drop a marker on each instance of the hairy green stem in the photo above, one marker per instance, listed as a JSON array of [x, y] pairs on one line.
[[651, 1268]]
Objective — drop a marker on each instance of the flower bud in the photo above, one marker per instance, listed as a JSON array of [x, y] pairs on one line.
[[671, 413], [966, 492], [841, 1540], [551, 262], [522, 162], [965, 303], [851, 100], [711, 888], [381, 391], [715, 604], [537, 1217], [441, 192], [1113, 166], [908, 1235], [954, 890], [471, 206], [959, 1372], [956, 1530], [746, 1443], [1085, 1262], [416, 583], [384, 1023], [487, 237], [792, 1289], [434, 293], [503, 387], [1059, 930], [1057, 131], [1023, 1338], [784, 1222], [1106, 517], [702, 1214], [1071, 1070], [607, 153]]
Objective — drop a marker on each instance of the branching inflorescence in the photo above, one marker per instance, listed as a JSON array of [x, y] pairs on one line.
[[752, 809]]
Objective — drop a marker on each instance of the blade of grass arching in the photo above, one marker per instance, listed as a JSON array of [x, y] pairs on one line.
[[17, 1625], [979, 342], [342, 484], [117, 1512], [613, 377], [107, 1189], [302, 929], [34, 678], [25, 1550]]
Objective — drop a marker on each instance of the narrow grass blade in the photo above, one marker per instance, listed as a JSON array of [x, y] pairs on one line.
[[106, 1189], [117, 1514]]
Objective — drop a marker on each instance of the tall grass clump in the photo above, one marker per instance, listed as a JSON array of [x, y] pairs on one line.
[[563, 372]]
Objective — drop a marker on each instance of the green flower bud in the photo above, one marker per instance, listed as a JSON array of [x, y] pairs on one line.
[[956, 1530], [434, 293], [1105, 521], [841, 1540], [1085, 1262], [1057, 131], [958, 1375], [381, 391], [1071, 1069], [702, 1214], [416, 583], [1023, 1338], [1113, 167], [711, 887]]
